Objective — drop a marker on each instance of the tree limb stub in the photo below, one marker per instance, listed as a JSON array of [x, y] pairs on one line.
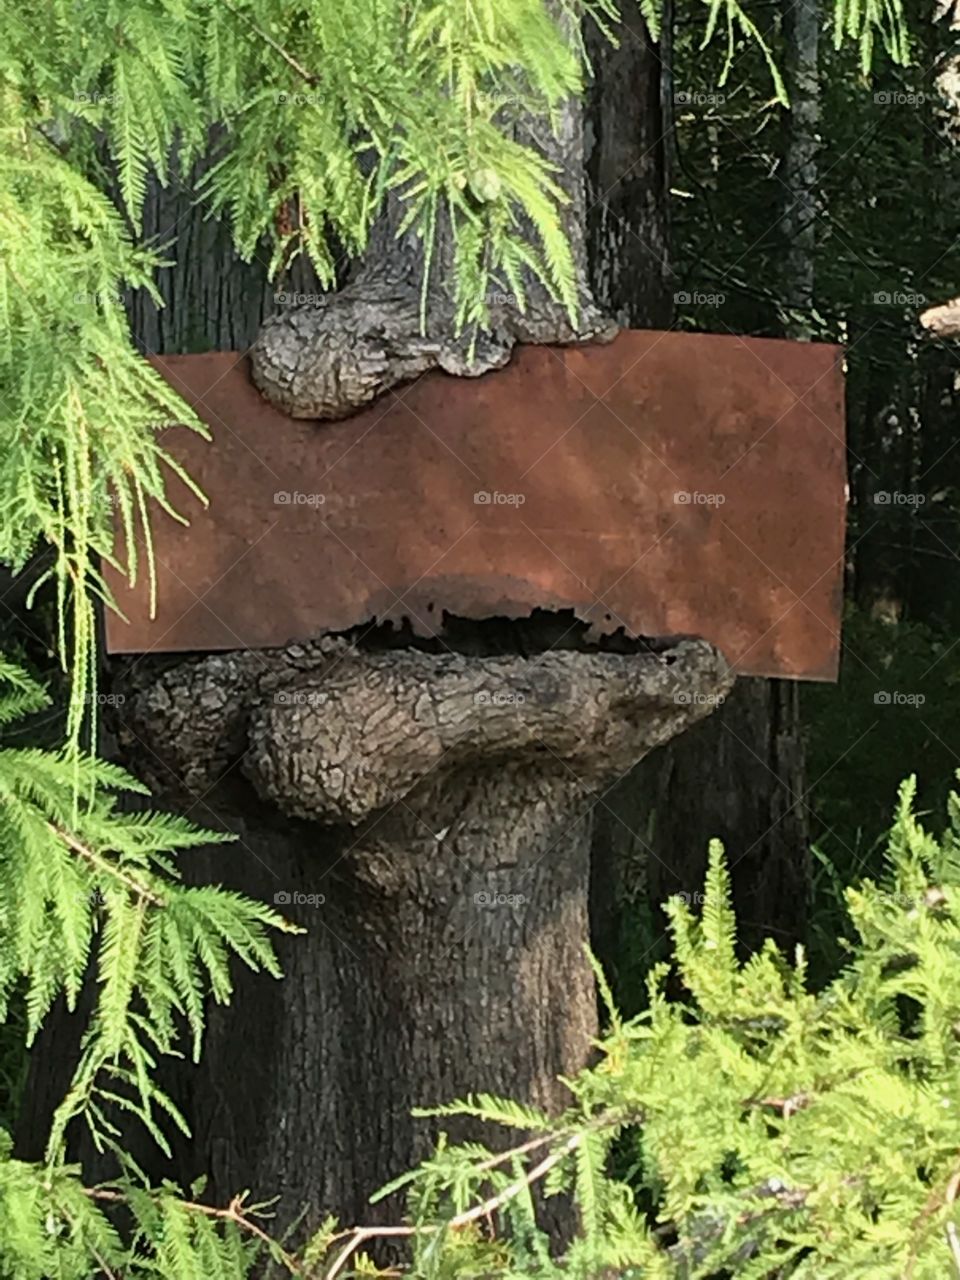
[[328, 359]]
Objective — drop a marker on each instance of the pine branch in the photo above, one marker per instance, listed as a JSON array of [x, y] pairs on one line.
[[935, 1201], [267, 39], [360, 1235]]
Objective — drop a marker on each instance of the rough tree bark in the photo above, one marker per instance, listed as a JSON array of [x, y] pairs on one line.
[[426, 816], [328, 360], [801, 148]]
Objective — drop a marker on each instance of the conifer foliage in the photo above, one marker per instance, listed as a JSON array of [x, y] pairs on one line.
[[82, 884], [762, 1129], [732, 1100]]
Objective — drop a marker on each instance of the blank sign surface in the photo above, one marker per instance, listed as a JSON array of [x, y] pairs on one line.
[[666, 484]]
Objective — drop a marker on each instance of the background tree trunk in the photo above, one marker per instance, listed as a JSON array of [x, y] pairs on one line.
[[739, 774], [212, 299]]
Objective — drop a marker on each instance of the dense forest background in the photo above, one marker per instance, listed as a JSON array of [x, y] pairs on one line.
[[880, 247]]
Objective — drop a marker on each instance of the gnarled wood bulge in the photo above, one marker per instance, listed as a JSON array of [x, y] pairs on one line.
[[426, 817]]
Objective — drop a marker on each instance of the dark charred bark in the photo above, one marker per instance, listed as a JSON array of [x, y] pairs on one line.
[[211, 299], [801, 149], [628, 122], [738, 777]]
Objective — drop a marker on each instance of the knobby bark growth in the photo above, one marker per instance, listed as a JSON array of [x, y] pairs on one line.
[[426, 816], [329, 359]]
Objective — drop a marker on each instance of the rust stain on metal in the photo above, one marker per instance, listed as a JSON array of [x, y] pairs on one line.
[[667, 484]]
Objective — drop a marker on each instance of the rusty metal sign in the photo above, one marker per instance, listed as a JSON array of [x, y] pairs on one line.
[[667, 484]]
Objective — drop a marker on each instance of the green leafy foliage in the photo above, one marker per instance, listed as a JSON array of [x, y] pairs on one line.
[[79, 878], [778, 1131], [87, 887], [52, 1225]]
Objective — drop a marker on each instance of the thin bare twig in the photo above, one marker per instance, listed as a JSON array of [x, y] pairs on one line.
[[953, 1239], [234, 1212], [933, 1203], [488, 1207], [104, 1267], [524, 1149], [787, 1106], [268, 39], [105, 865]]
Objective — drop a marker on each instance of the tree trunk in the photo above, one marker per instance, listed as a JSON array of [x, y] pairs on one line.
[[426, 817], [801, 32], [628, 122], [396, 317], [737, 777], [412, 799], [211, 299]]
